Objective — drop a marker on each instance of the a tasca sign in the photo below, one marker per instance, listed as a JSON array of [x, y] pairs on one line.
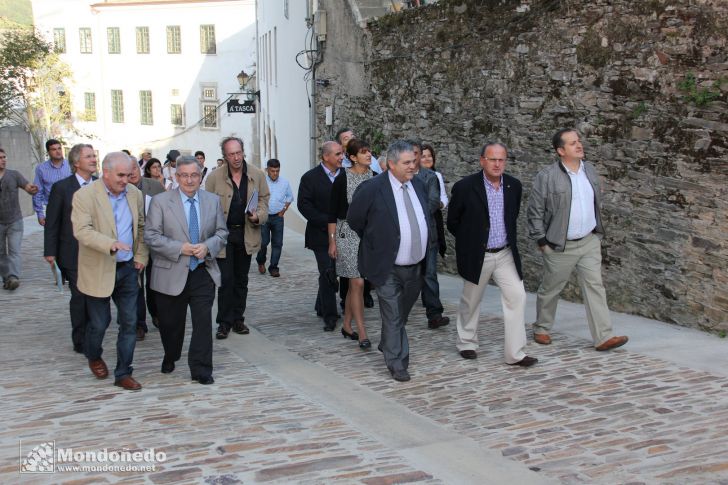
[[234, 106]]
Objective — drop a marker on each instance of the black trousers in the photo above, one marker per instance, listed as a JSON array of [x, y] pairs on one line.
[[77, 308], [233, 292], [326, 297], [198, 294]]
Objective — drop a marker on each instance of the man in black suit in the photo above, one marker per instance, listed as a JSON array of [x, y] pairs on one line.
[[431, 287], [389, 213], [314, 194], [59, 245], [482, 216]]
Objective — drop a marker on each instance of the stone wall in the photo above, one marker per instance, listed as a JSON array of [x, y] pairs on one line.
[[645, 82]]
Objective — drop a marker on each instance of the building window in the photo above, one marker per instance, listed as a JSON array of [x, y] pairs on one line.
[[142, 40], [207, 39], [114, 39], [84, 34], [177, 115], [117, 106], [145, 107], [209, 116], [174, 40], [209, 93], [59, 40], [89, 101]]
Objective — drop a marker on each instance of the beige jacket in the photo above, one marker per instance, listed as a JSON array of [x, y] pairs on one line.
[[94, 227], [219, 183]]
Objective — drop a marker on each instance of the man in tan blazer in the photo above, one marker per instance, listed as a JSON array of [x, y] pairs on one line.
[[108, 222], [235, 183], [185, 230]]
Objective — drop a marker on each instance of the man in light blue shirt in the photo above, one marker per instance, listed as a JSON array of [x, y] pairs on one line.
[[281, 197]]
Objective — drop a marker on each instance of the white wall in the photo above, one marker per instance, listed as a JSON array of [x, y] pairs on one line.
[[284, 111], [158, 71]]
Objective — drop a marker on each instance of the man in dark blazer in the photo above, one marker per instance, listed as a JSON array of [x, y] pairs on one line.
[[59, 245], [389, 213], [185, 230], [431, 287], [314, 194], [482, 216]]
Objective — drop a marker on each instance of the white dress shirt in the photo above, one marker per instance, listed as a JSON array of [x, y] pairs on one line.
[[582, 218], [404, 254]]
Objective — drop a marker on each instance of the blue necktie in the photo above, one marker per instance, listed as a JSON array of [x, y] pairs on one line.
[[194, 232]]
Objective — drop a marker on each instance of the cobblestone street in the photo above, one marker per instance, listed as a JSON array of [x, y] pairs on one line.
[[292, 404]]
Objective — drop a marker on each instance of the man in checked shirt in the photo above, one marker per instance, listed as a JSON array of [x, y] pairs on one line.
[[48, 173]]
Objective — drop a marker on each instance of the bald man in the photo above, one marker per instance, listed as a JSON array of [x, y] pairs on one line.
[[314, 194], [108, 222]]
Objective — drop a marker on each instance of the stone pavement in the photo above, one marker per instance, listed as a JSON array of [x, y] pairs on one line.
[[292, 404]]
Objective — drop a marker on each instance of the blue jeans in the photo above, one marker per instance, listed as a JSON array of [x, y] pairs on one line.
[[271, 232], [99, 317]]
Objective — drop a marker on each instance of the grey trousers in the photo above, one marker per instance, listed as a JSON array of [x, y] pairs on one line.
[[11, 236], [396, 298], [585, 256]]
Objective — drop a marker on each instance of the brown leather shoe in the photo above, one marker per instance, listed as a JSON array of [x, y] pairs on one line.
[[128, 383], [240, 327], [526, 361], [98, 367], [261, 268], [613, 343], [541, 338], [275, 272], [140, 334]]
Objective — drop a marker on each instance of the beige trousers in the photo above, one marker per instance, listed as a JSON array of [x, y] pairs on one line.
[[586, 256], [513, 298]]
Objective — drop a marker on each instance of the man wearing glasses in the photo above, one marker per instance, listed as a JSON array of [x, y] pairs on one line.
[[483, 215], [185, 231]]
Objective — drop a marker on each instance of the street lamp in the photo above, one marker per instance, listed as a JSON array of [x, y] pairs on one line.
[[244, 79]]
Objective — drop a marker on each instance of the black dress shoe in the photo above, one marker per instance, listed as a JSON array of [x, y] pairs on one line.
[[167, 367], [468, 354], [400, 375], [437, 322], [222, 332], [526, 361], [368, 300], [329, 326], [204, 380], [353, 335]]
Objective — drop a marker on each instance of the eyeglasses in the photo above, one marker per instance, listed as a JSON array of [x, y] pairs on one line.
[[188, 176]]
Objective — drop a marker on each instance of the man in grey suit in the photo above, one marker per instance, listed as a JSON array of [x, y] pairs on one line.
[[389, 213], [185, 232]]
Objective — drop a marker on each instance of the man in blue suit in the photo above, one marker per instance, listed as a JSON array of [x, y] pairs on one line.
[[389, 213]]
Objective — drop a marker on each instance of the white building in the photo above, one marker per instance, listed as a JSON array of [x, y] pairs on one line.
[[285, 115], [155, 74]]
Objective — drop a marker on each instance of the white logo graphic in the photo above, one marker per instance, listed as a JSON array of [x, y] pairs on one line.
[[46, 458], [41, 459]]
